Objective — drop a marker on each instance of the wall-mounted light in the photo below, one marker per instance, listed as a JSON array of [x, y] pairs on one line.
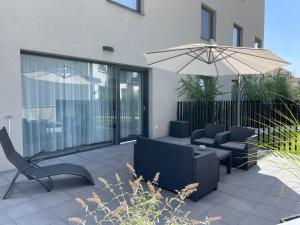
[[108, 49]]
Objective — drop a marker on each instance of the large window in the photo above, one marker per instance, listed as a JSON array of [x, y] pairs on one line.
[[69, 104], [237, 36], [207, 24], [131, 4]]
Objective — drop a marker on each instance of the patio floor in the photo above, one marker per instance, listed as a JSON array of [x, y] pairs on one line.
[[243, 198]]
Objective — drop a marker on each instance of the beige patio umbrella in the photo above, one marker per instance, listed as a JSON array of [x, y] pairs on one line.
[[215, 60]]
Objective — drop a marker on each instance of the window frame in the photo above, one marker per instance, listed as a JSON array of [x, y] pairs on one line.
[[240, 35], [259, 41], [212, 24], [138, 5]]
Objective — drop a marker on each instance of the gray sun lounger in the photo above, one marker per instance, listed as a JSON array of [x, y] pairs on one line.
[[29, 168]]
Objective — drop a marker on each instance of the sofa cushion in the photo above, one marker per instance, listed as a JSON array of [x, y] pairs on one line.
[[233, 146], [211, 130], [241, 133], [205, 141]]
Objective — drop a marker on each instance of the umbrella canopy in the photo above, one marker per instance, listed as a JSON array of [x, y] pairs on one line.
[[214, 60]]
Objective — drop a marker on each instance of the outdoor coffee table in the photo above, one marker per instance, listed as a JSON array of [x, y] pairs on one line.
[[223, 156]]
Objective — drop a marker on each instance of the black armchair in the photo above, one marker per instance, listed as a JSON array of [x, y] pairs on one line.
[[239, 140], [207, 135]]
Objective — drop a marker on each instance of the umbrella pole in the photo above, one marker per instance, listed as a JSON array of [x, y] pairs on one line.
[[239, 101]]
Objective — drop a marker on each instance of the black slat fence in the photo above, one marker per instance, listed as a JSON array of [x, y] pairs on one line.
[[255, 114]]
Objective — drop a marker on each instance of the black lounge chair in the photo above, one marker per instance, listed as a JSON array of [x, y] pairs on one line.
[[29, 168]]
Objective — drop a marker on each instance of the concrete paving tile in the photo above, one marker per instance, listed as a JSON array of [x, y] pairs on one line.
[[296, 208], [3, 217], [52, 199], [226, 187], [280, 203], [262, 178], [14, 199], [202, 206], [8, 223], [8, 175], [256, 186], [37, 192], [67, 209], [61, 222], [228, 215], [38, 218], [268, 213], [248, 194], [215, 196], [235, 181], [237, 203], [284, 192], [3, 181], [253, 220], [22, 209]]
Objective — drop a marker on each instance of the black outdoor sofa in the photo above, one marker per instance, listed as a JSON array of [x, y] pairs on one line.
[[178, 165], [29, 166]]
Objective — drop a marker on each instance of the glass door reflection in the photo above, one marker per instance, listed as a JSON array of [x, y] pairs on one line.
[[130, 106]]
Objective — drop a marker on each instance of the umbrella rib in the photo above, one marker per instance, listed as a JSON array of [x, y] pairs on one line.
[[208, 55], [172, 50], [262, 57], [43, 74], [223, 50], [198, 56], [246, 65], [194, 58], [215, 63], [40, 75], [192, 51], [225, 58], [172, 57], [220, 47], [228, 56]]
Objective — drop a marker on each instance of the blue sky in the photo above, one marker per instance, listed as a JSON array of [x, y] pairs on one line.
[[282, 31]]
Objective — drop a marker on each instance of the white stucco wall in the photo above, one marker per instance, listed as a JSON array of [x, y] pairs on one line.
[[79, 28]]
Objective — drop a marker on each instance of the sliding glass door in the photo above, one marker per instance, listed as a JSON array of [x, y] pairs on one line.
[[65, 103], [131, 104], [70, 104]]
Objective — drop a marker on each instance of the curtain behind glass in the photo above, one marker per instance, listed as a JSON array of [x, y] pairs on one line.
[[65, 103]]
